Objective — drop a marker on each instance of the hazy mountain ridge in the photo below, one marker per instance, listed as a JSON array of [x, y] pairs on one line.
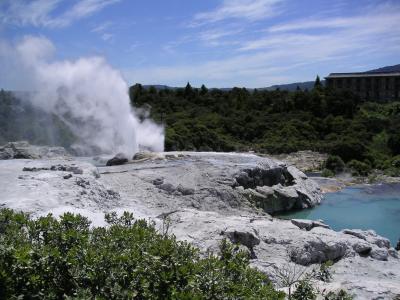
[[387, 69], [289, 86]]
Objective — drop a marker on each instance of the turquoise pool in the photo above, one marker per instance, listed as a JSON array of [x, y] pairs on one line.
[[374, 207]]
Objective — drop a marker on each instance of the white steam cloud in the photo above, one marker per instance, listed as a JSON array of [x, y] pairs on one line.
[[88, 95]]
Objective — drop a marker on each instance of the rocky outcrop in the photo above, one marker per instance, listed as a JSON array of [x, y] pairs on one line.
[[367, 270], [318, 251], [369, 236], [277, 189], [216, 181], [24, 150]]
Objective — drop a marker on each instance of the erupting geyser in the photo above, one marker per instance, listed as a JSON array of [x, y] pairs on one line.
[[89, 96]]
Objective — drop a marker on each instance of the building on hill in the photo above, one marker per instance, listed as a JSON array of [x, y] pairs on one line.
[[376, 86]]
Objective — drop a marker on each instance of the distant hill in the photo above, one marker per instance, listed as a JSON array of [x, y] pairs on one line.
[[387, 69], [284, 87], [159, 87], [293, 86]]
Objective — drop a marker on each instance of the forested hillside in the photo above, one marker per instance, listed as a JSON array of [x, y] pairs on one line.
[[20, 120], [338, 123]]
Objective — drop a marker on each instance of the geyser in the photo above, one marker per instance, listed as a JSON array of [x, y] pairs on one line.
[[89, 96]]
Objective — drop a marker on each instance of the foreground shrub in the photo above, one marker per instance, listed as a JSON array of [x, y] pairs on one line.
[[48, 258], [304, 291]]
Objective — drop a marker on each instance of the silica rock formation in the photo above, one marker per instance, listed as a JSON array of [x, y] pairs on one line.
[[204, 198], [276, 187], [23, 150]]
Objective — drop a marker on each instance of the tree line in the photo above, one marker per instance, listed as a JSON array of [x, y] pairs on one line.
[[321, 119]]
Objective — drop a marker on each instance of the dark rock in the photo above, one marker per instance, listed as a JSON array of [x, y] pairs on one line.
[[262, 176], [34, 169], [168, 187], [117, 160], [82, 182], [113, 194], [158, 181], [302, 224], [66, 168], [185, 191], [398, 246], [6, 153], [68, 176], [245, 238]]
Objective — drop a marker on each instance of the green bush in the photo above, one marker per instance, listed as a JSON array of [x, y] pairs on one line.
[[324, 272], [395, 162], [47, 258], [341, 295], [359, 167], [327, 173], [304, 291], [335, 164]]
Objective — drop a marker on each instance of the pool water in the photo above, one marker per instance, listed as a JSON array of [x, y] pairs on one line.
[[374, 207]]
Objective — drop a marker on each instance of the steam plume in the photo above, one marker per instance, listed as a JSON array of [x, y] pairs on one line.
[[89, 96]]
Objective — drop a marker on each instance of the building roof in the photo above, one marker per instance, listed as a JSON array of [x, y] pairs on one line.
[[363, 74]]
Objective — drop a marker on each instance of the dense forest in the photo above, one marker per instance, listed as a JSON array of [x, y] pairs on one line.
[[365, 135]]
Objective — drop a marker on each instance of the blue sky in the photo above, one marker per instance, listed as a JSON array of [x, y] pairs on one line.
[[220, 43]]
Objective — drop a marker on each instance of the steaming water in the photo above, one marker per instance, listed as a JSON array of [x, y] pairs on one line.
[[86, 94], [374, 207]]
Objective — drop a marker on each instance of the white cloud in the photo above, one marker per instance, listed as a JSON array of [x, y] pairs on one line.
[[281, 51], [251, 10], [102, 27], [107, 37], [103, 30], [243, 70], [41, 13], [80, 10], [382, 16], [213, 37], [333, 36], [27, 12]]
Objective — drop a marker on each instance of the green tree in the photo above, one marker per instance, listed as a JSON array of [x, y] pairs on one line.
[[203, 90], [188, 90], [317, 83]]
